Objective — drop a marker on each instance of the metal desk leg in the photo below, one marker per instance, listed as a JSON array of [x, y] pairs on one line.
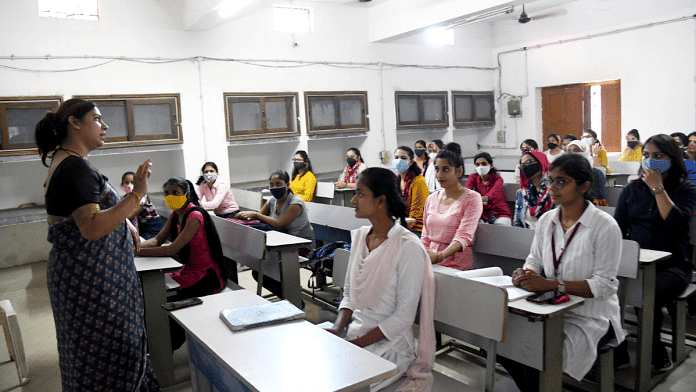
[[157, 327], [290, 276], [551, 379], [645, 330]]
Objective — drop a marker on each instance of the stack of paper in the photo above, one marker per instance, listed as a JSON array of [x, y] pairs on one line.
[[258, 315]]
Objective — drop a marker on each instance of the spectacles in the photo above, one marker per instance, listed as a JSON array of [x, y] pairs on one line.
[[298, 160], [559, 183], [528, 162]]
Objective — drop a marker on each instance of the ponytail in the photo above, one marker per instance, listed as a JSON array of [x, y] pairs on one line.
[[52, 130]]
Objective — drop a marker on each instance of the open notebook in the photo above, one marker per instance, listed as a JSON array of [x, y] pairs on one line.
[[494, 276], [259, 315]]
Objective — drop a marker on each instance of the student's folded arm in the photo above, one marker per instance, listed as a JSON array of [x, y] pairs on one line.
[[535, 261], [684, 207], [466, 231], [290, 214], [425, 235], [607, 257]]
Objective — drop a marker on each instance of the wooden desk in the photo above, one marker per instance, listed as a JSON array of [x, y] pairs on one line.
[[282, 249], [152, 272], [272, 358]]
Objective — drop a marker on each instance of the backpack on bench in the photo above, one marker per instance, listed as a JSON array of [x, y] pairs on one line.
[[321, 262]]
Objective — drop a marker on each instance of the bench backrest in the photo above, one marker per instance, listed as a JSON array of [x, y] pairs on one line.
[[624, 167], [240, 243], [505, 241], [630, 254], [340, 267], [324, 190], [612, 194], [247, 200], [608, 210], [510, 190], [333, 223]]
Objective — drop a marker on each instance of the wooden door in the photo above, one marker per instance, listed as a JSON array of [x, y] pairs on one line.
[[562, 111], [611, 116]]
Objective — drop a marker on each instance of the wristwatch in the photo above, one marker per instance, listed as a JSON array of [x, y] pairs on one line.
[[561, 286], [657, 190]]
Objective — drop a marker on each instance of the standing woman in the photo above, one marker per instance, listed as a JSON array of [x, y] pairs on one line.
[[303, 181], [576, 250], [451, 216], [532, 200], [91, 263], [389, 274], [413, 187], [554, 144], [355, 166], [490, 186], [633, 151], [655, 212], [422, 159], [214, 193]]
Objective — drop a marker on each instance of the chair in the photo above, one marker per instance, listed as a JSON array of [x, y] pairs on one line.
[[8, 319]]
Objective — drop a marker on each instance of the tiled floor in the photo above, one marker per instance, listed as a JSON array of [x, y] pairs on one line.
[[25, 287]]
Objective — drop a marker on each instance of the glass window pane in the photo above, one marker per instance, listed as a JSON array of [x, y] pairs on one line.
[[117, 120], [483, 108], [351, 111], [276, 115], [408, 110], [246, 116], [462, 108], [323, 113], [21, 123], [152, 119], [433, 110]]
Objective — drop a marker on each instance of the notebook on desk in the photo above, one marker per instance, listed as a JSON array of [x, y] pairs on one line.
[[260, 315], [494, 276]]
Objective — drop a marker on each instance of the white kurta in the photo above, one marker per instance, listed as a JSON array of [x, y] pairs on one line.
[[593, 255], [395, 312]]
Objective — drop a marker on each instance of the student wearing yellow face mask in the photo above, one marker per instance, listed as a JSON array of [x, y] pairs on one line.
[[195, 241]]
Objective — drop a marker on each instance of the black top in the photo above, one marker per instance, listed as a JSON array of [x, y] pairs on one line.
[[640, 221], [74, 183]]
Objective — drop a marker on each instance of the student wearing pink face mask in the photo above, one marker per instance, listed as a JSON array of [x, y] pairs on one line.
[[144, 217]]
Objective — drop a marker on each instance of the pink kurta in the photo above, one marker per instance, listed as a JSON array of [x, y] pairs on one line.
[[218, 197], [443, 224]]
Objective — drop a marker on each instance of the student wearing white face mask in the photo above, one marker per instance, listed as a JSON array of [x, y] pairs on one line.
[[490, 185], [434, 147], [214, 193], [599, 154]]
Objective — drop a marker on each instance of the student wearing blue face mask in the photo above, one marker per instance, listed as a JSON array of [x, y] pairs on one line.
[[655, 211], [413, 186]]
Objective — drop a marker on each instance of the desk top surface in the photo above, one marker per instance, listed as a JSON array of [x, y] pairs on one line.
[[278, 357], [541, 311], [277, 238], [652, 256], [164, 264], [344, 189]]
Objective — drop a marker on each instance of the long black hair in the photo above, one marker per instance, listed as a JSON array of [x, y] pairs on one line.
[[382, 181], [677, 171], [414, 169], [426, 162], [531, 143], [211, 164], [357, 152], [578, 168], [52, 130], [308, 163], [488, 159], [438, 143]]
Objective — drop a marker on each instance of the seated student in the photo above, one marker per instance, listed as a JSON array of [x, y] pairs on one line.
[[214, 193], [566, 141], [303, 181], [598, 183], [554, 144], [490, 185], [389, 274], [526, 145], [576, 250], [692, 137], [413, 186], [196, 243], [144, 217], [682, 140], [451, 216], [690, 161], [655, 211], [599, 154], [633, 151], [532, 200], [434, 147], [422, 159], [284, 212], [355, 166]]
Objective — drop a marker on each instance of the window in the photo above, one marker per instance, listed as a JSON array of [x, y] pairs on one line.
[[473, 108], [336, 112], [18, 118], [135, 120], [259, 115], [421, 109], [293, 19], [69, 9]]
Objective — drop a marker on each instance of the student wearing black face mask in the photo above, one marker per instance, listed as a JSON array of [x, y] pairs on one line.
[[554, 145], [303, 181], [532, 199], [634, 150], [422, 158], [355, 166]]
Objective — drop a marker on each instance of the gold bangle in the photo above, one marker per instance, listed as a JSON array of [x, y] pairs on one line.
[[137, 195]]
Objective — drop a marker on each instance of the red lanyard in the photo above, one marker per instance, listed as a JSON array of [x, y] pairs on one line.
[[557, 262]]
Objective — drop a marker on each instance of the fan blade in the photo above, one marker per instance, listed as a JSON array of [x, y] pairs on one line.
[[552, 14]]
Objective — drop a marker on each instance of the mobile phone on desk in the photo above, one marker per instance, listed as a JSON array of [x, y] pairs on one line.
[[547, 297], [184, 303]]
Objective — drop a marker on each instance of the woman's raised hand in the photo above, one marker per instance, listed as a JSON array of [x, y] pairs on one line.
[[140, 178]]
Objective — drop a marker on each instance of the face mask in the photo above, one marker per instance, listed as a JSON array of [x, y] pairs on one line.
[[278, 193], [482, 170], [351, 162], [659, 166], [210, 177], [530, 170], [128, 188], [400, 165], [298, 165], [588, 140], [432, 156], [552, 145], [692, 146], [632, 144], [175, 202], [419, 152]]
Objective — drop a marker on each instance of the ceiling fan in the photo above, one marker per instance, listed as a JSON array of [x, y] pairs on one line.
[[524, 18]]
